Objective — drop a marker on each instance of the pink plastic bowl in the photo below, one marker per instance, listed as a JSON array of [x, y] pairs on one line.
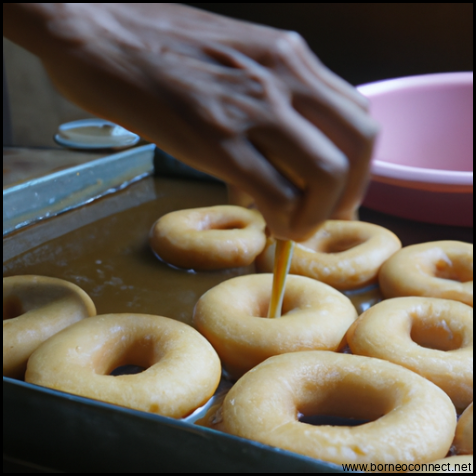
[[422, 167]]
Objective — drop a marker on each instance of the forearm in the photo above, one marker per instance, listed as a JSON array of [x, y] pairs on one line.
[[247, 103], [46, 28], [29, 24], [43, 27]]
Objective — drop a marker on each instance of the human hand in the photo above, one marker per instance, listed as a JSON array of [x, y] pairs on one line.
[[249, 104]]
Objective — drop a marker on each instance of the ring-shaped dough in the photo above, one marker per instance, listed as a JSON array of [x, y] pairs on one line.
[[433, 337], [232, 316], [412, 419], [441, 269], [181, 368], [343, 254], [34, 309], [223, 236], [463, 442]]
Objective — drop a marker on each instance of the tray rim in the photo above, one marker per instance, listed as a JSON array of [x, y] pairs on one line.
[[76, 185]]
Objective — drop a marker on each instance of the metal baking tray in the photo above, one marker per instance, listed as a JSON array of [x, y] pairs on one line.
[[59, 432]]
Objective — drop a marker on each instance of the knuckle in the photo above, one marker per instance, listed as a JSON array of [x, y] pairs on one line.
[[337, 159], [362, 132], [368, 130], [363, 102], [329, 174], [269, 90], [337, 167], [289, 42], [261, 80], [294, 38], [257, 79], [373, 129]]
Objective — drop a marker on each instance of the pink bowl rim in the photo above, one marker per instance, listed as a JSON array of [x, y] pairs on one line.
[[405, 173]]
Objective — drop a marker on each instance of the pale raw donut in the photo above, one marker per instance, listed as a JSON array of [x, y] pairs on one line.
[[232, 316], [463, 442], [217, 237], [433, 337], [452, 464], [181, 368], [412, 420], [344, 254], [34, 309], [441, 269]]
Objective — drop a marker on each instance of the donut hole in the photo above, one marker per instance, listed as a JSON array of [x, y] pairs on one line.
[[12, 307], [455, 270], [330, 420], [324, 242], [260, 307], [127, 370], [229, 226], [434, 334], [130, 358], [339, 245], [223, 224], [346, 404]]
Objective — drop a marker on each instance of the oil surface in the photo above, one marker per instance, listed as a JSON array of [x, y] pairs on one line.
[[103, 247], [110, 258]]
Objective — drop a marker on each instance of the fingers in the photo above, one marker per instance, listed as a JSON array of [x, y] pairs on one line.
[[312, 162], [339, 111], [335, 82], [353, 132], [293, 51], [316, 136], [275, 196]]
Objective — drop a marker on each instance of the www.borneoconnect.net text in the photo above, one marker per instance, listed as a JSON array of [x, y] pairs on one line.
[[396, 468]]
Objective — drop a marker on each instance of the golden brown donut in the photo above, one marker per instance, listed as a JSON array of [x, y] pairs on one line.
[[223, 236], [452, 464], [232, 316], [343, 254], [181, 368], [433, 337], [35, 308], [463, 442], [411, 419], [441, 269]]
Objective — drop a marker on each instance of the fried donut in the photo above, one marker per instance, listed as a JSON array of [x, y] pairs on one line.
[[34, 309], [411, 419], [441, 269], [232, 316], [181, 368], [210, 238], [463, 442], [343, 254], [433, 337]]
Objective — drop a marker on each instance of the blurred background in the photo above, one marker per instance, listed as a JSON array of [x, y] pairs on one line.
[[362, 42]]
